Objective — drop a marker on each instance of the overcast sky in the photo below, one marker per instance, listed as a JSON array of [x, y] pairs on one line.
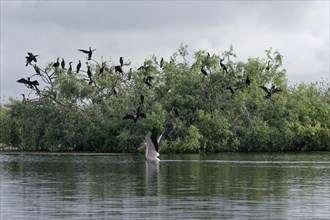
[[299, 30]]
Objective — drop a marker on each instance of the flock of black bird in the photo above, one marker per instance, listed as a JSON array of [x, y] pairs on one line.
[[147, 80]]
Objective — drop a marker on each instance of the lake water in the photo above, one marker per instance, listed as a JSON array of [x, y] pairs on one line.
[[222, 186]]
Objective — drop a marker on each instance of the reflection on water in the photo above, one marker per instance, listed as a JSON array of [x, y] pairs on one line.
[[224, 186]]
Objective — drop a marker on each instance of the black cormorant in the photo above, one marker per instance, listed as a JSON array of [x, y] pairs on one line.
[[270, 91], [88, 52], [223, 66], [63, 64], [78, 66], [57, 63], [121, 61], [119, 69]]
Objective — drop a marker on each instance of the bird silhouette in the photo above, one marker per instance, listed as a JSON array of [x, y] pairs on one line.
[[70, 67], [153, 143], [88, 52], [176, 112], [203, 71], [223, 66], [141, 99], [31, 57], [89, 72], [23, 99], [232, 89], [57, 63], [143, 67], [248, 81], [270, 91], [114, 90], [63, 64], [29, 83], [129, 74], [119, 69], [121, 61], [268, 65], [161, 63], [101, 69], [78, 66], [136, 116], [147, 81]]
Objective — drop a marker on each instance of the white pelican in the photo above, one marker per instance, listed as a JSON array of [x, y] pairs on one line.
[[152, 145]]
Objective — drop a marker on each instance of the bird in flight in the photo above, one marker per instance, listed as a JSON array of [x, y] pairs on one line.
[[31, 57]]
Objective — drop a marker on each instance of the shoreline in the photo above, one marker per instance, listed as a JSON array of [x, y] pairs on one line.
[[14, 152]]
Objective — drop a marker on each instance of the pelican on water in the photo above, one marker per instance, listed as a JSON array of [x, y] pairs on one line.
[[152, 143]]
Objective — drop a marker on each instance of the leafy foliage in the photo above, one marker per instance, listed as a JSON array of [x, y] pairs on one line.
[[218, 110]]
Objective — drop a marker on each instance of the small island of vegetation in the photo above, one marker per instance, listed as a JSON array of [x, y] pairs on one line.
[[216, 102]]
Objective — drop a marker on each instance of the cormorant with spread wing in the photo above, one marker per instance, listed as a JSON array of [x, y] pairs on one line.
[[270, 91], [30, 58], [88, 52]]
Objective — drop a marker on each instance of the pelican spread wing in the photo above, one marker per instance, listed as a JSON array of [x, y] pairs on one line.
[[153, 143]]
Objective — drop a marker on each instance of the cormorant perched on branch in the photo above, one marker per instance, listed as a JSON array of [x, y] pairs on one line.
[[161, 63], [176, 112], [101, 69], [247, 81], [30, 58], [141, 99], [268, 65], [232, 89], [88, 52], [63, 64], [57, 63], [121, 61], [204, 71], [223, 66], [119, 69], [143, 67], [89, 73], [270, 91], [147, 81], [70, 67], [29, 83], [24, 99], [78, 66], [136, 116]]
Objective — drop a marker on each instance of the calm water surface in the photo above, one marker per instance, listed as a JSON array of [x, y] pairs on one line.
[[223, 186]]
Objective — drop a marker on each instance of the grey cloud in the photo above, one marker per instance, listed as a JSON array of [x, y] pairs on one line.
[[299, 30]]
